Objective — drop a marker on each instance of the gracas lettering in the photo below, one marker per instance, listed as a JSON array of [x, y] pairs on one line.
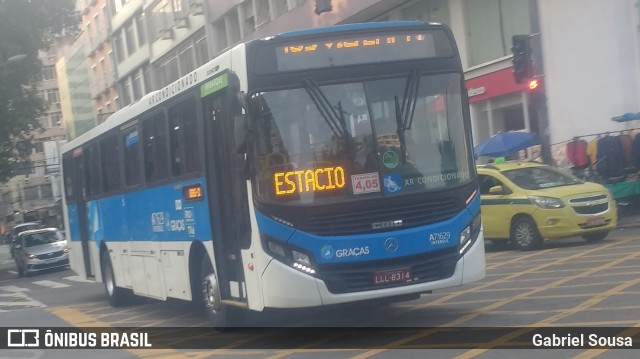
[[352, 252]]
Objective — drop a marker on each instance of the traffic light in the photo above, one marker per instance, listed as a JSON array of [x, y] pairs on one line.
[[323, 6], [521, 48]]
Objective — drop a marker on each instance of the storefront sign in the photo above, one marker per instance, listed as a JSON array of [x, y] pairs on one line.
[[492, 85]]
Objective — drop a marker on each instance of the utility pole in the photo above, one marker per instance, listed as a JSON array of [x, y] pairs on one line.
[[538, 98]]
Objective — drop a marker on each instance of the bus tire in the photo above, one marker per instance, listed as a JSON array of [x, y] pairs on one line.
[[220, 315], [116, 296]]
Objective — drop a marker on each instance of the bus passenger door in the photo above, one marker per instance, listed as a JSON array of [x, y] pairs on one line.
[[83, 222], [227, 196]]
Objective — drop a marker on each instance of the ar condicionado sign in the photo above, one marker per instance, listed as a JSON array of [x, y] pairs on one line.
[[322, 179]]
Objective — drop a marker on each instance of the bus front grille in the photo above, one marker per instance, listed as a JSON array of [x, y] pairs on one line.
[[362, 221], [357, 277]]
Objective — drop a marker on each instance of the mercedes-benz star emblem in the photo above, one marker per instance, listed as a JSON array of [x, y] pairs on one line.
[[391, 245]]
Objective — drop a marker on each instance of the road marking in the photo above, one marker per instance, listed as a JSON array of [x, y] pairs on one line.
[[51, 284], [13, 288], [75, 278], [13, 272]]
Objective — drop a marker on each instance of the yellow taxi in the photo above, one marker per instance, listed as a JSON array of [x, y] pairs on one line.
[[527, 202]]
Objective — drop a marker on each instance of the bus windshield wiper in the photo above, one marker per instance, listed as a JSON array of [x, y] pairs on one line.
[[404, 113], [333, 118]]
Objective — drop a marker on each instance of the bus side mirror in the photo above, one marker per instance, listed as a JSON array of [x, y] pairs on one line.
[[240, 132]]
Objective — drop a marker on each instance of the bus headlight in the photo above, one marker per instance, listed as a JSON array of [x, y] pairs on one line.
[[470, 234], [292, 257]]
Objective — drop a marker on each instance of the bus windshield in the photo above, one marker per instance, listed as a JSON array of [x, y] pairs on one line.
[[380, 137]]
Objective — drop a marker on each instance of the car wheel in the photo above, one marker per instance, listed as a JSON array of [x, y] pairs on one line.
[[525, 235], [220, 315], [116, 296], [595, 237]]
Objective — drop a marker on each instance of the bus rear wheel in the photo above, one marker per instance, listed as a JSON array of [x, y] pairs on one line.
[[116, 296], [220, 315]]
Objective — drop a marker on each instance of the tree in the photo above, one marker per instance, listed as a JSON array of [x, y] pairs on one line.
[[26, 26]]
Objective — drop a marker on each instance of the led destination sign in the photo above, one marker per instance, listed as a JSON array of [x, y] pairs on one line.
[[319, 180], [364, 48]]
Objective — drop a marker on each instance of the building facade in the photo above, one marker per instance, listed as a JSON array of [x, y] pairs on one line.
[[588, 52]]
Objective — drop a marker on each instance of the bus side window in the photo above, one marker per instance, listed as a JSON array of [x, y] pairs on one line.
[[93, 178], [183, 138], [154, 135], [131, 157], [110, 155], [67, 169]]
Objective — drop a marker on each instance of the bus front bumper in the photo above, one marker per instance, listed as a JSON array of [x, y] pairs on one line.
[[286, 287]]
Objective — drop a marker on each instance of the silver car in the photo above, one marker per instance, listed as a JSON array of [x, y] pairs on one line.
[[40, 249]]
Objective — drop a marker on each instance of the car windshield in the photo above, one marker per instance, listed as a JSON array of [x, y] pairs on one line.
[[359, 139], [37, 239], [540, 178]]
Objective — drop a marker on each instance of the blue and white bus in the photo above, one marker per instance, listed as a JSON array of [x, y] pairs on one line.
[[306, 169]]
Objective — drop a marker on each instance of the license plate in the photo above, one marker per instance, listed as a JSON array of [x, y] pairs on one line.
[[593, 222], [392, 276]]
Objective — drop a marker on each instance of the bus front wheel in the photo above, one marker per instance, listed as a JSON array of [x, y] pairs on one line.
[[220, 315], [116, 296]]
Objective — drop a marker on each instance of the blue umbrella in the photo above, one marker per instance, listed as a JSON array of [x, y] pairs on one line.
[[505, 143], [627, 117]]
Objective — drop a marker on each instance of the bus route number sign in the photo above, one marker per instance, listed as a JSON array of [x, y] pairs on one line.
[[192, 193], [401, 275]]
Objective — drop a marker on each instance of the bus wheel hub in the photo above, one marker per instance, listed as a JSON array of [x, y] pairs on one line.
[[211, 293]]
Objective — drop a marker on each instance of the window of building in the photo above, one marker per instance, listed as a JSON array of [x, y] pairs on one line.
[[183, 137], [202, 55], [186, 61], [249, 19], [48, 72], [56, 119], [161, 18], [279, 7], [131, 157], [31, 193], [53, 96], [137, 85], [490, 26], [126, 92], [427, 10], [120, 55], [170, 71], [233, 26], [130, 37], [38, 147], [221, 35], [140, 27], [46, 191], [110, 153], [262, 12], [154, 134]]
